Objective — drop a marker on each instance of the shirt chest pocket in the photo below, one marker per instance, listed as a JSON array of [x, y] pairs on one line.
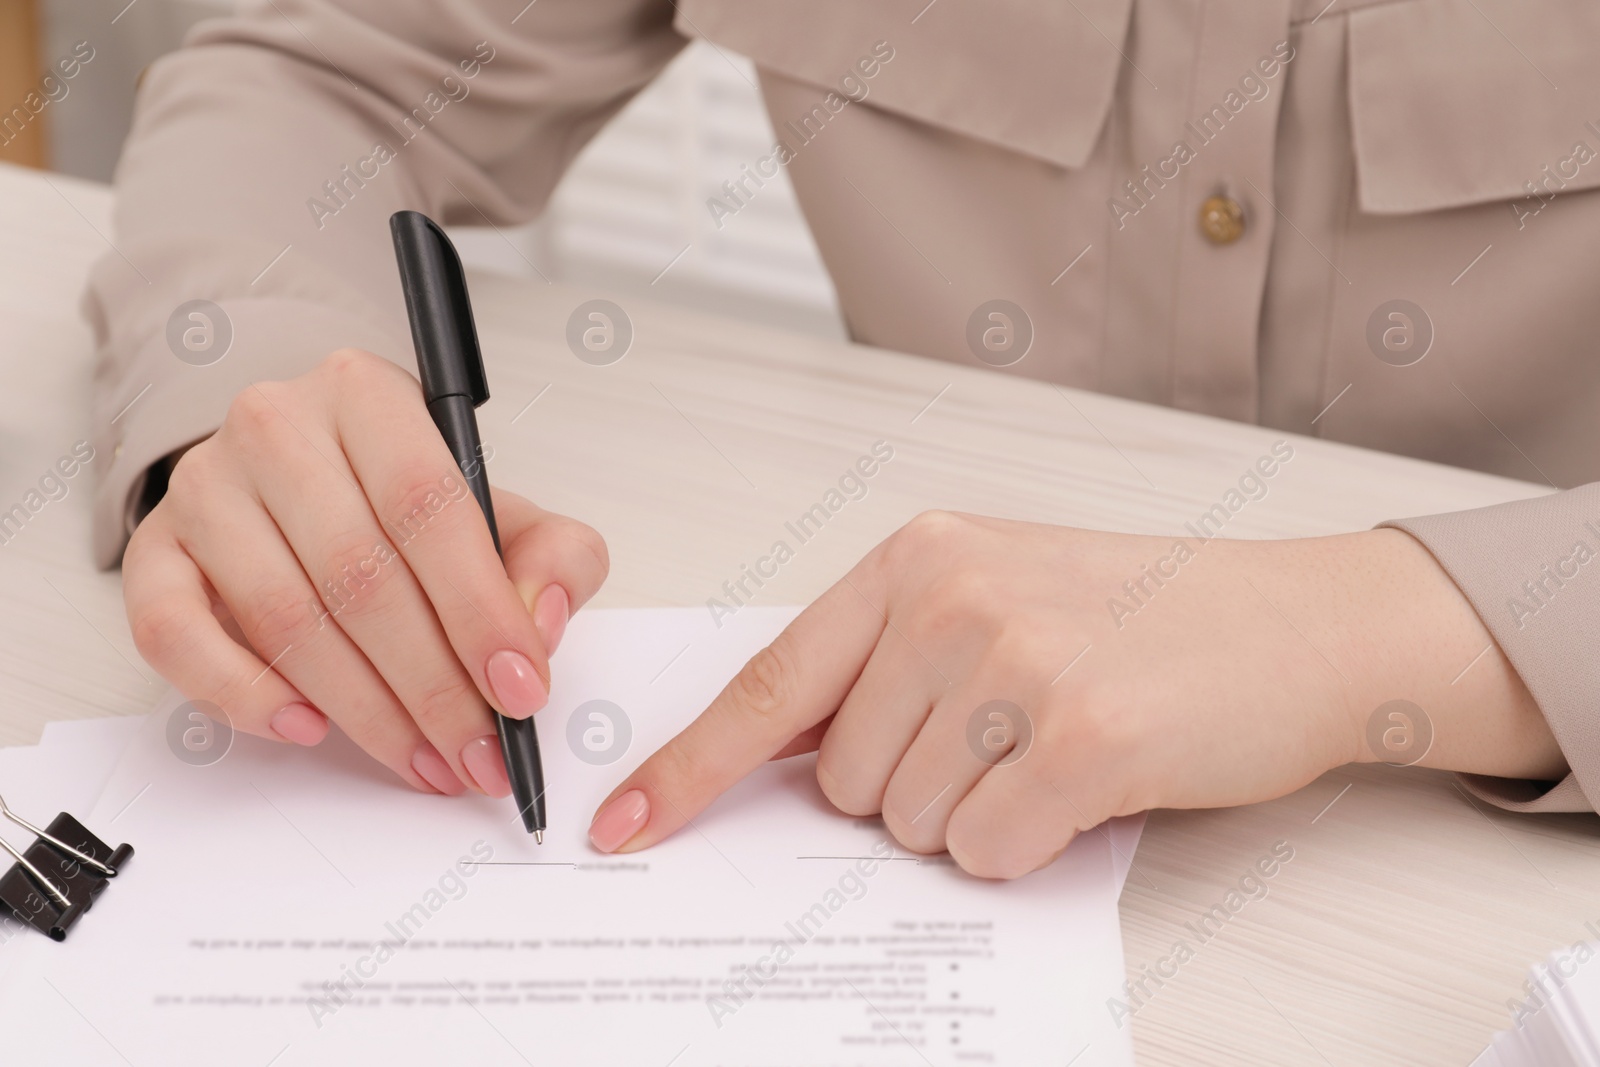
[[1462, 102], [1032, 76]]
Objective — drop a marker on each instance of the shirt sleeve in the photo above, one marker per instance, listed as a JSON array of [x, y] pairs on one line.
[[1531, 569], [253, 196]]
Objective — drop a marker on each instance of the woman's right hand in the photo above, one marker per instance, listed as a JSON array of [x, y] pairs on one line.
[[321, 557]]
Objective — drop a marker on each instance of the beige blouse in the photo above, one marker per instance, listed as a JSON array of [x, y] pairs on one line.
[[1368, 220]]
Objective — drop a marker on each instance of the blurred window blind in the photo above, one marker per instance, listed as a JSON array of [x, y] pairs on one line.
[[631, 216]]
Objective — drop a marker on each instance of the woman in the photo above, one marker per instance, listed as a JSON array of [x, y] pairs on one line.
[[1267, 212]]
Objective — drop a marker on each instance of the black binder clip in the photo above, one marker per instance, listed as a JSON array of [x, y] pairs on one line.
[[57, 878]]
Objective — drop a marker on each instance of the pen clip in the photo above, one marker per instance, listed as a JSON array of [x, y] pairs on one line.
[[448, 357]]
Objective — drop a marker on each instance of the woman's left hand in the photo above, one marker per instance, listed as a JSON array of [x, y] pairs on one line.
[[996, 687]]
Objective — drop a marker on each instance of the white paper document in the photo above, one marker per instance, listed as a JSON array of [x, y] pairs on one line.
[[65, 771], [295, 907], [1558, 1025]]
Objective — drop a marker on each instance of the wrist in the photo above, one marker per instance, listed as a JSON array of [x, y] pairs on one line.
[[1428, 685]]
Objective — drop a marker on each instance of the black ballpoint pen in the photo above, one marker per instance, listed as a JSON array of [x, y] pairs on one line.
[[450, 365]]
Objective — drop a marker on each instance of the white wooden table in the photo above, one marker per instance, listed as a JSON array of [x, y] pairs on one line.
[[1407, 916]]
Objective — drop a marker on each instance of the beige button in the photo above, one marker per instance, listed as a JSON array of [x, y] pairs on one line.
[[1221, 220]]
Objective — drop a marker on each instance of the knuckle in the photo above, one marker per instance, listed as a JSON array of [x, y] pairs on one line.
[[766, 684], [418, 501], [355, 570], [254, 414], [957, 599], [910, 837], [1081, 737], [161, 632], [140, 540], [356, 367], [906, 817], [281, 615], [842, 788], [194, 472], [930, 531], [195, 483], [981, 856], [444, 700], [1096, 726], [588, 539], [1021, 648], [988, 842]]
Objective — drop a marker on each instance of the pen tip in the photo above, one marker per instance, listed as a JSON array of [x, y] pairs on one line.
[[538, 837]]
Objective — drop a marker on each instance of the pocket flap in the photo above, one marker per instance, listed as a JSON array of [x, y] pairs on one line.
[[1457, 102], [1036, 78]]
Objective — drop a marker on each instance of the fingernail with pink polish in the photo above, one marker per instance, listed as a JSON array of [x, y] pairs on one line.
[[620, 821], [300, 723], [481, 756], [516, 684], [550, 616], [432, 768]]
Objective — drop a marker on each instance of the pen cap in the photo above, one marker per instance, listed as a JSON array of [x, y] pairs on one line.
[[448, 358]]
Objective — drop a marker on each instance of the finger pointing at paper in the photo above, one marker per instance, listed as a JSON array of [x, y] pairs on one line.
[[971, 680]]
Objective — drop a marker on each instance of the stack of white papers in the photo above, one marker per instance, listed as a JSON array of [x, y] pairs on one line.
[[289, 906], [1558, 1025]]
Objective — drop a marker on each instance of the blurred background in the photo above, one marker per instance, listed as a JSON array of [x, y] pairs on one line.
[[634, 200]]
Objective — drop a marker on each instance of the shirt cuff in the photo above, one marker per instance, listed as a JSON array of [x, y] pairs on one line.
[[1531, 570]]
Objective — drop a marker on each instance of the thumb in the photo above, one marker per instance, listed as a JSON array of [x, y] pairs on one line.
[[555, 563]]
